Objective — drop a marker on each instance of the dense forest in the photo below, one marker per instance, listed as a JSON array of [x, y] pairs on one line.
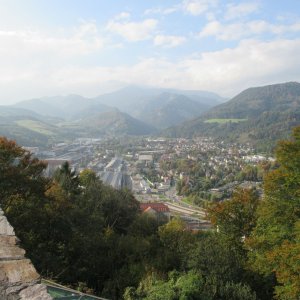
[[84, 234]]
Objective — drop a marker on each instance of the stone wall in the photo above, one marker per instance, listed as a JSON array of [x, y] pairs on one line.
[[18, 278]]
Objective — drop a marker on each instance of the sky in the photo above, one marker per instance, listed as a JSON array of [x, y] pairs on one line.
[[90, 47]]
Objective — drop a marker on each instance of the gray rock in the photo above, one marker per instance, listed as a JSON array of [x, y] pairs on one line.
[[5, 227], [35, 292]]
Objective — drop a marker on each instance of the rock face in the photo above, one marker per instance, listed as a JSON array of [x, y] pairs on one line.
[[18, 278]]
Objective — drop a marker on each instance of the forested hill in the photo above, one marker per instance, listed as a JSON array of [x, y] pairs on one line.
[[258, 100], [114, 123], [259, 115]]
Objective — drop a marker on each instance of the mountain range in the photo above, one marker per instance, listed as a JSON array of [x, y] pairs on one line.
[[136, 101], [259, 115], [132, 110]]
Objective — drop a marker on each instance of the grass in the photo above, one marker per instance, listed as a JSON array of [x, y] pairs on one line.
[[163, 197], [223, 121], [35, 126], [187, 201]]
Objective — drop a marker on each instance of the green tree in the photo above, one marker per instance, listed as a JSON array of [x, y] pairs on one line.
[[188, 286], [68, 179], [76, 233], [87, 177], [176, 241], [236, 217], [20, 173], [274, 240]]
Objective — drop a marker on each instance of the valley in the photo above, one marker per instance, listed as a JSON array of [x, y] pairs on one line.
[[165, 183], [150, 150]]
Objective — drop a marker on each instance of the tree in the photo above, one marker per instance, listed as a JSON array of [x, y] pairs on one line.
[[68, 179], [274, 242], [236, 217], [87, 177], [20, 173], [73, 232], [286, 263], [176, 241], [188, 286]]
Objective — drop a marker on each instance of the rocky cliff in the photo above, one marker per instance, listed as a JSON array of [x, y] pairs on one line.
[[18, 278]]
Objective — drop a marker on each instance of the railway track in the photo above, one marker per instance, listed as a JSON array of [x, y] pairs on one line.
[[184, 210]]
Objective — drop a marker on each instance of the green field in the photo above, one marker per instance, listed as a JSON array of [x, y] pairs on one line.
[[35, 126], [223, 121]]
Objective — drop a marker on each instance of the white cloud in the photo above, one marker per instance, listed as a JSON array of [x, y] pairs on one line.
[[122, 15], [133, 31], [210, 16], [228, 71], [235, 31], [162, 11], [29, 57], [84, 40], [240, 10], [198, 7], [169, 41], [251, 63], [193, 7]]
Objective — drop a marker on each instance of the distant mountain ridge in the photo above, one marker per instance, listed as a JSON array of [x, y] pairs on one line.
[[135, 94], [259, 115], [169, 109], [66, 107], [159, 108], [8, 111]]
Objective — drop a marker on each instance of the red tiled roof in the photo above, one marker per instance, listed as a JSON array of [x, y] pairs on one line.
[[159, 207]]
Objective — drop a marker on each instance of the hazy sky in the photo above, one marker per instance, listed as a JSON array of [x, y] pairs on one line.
[[50, 47]]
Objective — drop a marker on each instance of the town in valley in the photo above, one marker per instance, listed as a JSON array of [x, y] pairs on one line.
[[170, 177]]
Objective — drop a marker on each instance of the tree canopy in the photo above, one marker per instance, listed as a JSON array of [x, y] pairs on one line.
[[274, 242]]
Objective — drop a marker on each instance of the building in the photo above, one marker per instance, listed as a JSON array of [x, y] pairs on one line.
[[146, 158], [159, 210]]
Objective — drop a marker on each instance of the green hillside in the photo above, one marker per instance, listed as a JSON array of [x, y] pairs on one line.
[[259, 115], [22, 135], [29, 128], [113, 122], [255, 101]]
